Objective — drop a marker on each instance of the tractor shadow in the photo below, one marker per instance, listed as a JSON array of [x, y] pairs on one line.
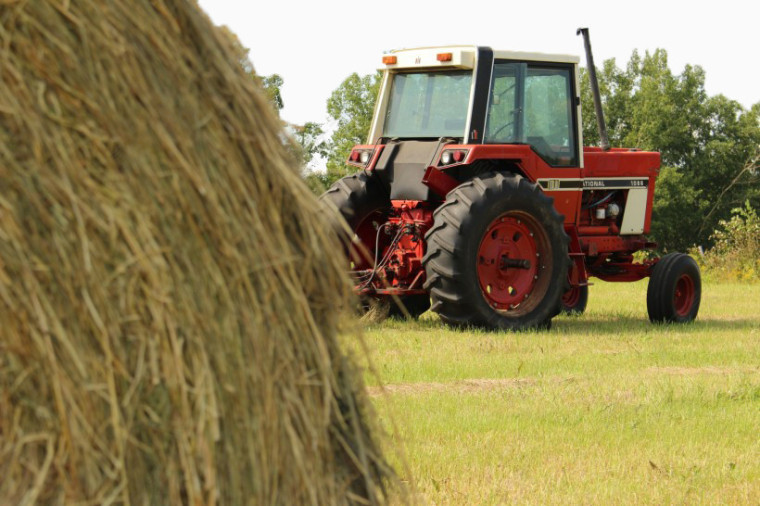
[[629, 325], [589, 324]]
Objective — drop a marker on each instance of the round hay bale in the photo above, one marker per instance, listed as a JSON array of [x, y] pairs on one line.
[[168, 295]]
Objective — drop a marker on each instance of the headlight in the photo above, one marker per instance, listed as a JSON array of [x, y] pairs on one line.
[[452, 156], [360, 157]]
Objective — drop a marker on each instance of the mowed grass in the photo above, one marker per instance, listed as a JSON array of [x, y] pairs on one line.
[[603, 408]]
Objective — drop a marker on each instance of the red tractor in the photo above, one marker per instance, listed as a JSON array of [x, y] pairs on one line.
[[474, 192]]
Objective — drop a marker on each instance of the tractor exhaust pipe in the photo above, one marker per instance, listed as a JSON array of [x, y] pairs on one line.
[[595, 90]]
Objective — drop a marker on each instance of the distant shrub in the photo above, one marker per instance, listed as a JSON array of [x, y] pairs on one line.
[[736, 254]]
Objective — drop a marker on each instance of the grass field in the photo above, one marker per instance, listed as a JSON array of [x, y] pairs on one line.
[[603, 408]]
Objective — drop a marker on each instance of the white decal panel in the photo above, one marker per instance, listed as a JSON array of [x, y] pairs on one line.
[[635, 212]]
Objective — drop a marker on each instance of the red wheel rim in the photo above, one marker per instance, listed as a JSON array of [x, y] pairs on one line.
[[572, 297], [683, 298], [511, 263]]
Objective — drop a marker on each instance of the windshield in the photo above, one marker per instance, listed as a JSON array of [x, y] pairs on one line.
[[429, 104]]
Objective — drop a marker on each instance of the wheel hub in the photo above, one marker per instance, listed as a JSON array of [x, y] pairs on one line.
[[512, 263], [683, 298], [508, 262]]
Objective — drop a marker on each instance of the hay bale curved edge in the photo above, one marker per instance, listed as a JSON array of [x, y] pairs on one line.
[[168, 294]]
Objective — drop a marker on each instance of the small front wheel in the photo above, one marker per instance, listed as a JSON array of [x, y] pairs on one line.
[[675, 289], [574, 300]]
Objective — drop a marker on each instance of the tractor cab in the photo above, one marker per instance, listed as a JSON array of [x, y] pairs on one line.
[[475, 95]]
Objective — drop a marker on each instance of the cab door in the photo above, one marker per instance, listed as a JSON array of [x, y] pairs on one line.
[[534, 104]]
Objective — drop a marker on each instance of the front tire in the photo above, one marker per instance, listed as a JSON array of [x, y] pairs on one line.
[[575, 300], [675, 290], [497, 255]]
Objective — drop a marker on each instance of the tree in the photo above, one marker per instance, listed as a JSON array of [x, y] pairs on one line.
[[309, 139], [351, 105], [272, 85]]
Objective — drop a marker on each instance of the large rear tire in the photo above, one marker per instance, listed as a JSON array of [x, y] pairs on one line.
[[497, 255], [675, 290], [364, 204]]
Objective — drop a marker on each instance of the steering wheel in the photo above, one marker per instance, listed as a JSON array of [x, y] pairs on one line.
[[502, 127]]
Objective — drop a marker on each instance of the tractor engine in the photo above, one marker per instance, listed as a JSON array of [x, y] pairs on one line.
[[399, 246]]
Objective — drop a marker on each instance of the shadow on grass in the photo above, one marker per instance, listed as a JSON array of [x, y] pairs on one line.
[[584, 324], [624, 325]]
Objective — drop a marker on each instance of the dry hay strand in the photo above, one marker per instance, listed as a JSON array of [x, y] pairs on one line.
[[377, 311], [168, 293]]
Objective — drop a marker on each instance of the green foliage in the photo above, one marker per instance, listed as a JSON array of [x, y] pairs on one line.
[[309, 139], [318, 182], [706, 141], [676, 202], [351, 105], [736, 253], [310, 144], [272, 85]]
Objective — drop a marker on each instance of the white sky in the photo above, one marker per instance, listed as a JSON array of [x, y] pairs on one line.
[[314, 45]]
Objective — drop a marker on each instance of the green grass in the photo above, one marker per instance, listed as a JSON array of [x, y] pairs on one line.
[[603, 408]]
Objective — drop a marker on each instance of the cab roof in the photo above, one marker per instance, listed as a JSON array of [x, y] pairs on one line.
[[462, 57]]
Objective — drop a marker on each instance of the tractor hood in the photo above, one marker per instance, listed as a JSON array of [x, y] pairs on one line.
[[401, 167]]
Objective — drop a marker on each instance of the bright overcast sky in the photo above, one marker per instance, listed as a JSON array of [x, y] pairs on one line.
[[314, 45]]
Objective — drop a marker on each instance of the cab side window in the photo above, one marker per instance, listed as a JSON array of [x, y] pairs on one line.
[[505, 104], [549, 114], [533, 104]]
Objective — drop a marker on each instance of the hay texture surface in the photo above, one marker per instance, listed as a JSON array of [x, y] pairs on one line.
[[167, 293]]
